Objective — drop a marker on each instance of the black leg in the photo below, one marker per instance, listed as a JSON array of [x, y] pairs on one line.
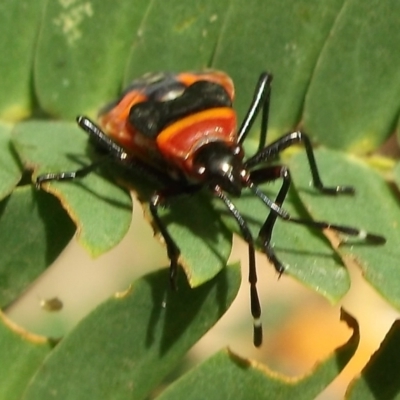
[[254, 300], [261, 99], [118, 154], [116, 151], [158, 199], [271, 173], [347, 230], [70, 175], [273, 149]]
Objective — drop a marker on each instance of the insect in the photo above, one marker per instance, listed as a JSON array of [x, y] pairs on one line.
[[182, 129]]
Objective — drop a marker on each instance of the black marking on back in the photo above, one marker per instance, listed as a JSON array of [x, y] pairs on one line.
[[152, 116]]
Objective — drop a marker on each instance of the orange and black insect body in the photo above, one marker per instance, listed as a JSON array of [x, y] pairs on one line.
[[182, 129]]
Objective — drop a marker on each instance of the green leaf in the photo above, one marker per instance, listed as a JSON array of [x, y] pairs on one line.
[[82, 53], [10, 171], [19, 24], [398, 130], [128, 344], [353, 97], [34, 229], [396, 174], [190, 32], [203, 239], [228, 376], [284, 38], [85, 50], [56, 147], [373, 208], [204, 242], [380, 378], [306, 254], [21, 353]]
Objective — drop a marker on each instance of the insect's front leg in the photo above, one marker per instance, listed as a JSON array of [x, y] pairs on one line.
[[247, 236]]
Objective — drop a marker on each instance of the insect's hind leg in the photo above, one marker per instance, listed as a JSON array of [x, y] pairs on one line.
[[273, 149]]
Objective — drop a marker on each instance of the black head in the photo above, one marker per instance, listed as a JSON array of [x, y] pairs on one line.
[[221, 165]]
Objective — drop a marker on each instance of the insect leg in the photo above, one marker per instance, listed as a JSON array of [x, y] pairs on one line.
[[268, 174], [254, 300], [115, 152], [102, 139], [261, 98], [273, 149], [69, 175], [158, 199]]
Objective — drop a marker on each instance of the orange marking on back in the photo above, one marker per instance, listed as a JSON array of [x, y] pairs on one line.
[[179, 141], [181, 125], [114, 122]]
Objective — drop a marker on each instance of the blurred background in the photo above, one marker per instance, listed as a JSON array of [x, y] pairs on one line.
[[300, 327]]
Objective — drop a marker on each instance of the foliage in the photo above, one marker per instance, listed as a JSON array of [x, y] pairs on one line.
[[336, 75]]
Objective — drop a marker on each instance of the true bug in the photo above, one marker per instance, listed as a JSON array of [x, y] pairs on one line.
[[182, 129]]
